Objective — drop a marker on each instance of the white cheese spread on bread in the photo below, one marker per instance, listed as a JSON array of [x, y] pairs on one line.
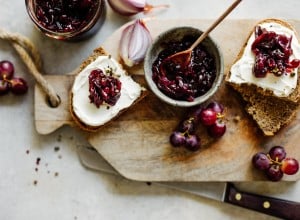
[[86, 111], [242, 71]]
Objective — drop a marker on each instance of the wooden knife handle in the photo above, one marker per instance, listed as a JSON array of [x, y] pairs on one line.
[[267, 205]]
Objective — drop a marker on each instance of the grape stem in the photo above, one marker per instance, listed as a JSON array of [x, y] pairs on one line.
[[220, 116], [274, 161], [10, 81], [191, 119]]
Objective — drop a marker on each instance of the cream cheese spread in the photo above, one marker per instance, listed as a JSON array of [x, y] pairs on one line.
[[86, 111], [242, 70]]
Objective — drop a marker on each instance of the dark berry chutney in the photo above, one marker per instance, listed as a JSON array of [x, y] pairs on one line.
[[67, 19], [186, 83], [103, 88], [272, 53]]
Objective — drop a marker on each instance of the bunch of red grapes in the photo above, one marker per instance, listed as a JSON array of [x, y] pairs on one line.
[[211, 117], [275, 164], [8, 82]]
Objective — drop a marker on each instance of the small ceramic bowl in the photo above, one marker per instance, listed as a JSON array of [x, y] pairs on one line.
[[177, 34]]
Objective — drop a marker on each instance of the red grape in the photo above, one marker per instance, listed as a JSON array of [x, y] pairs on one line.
[[18, 86], [4, 87], [215, 106], [277, 153], [192, 143], [187, 126], [261, 161], [275, 164], [177, 139], [208, 116], [196, 114], [217, 129], [6, 69], [274, 173], [290, 166]]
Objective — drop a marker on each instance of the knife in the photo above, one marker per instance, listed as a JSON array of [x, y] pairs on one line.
[[224, 192]]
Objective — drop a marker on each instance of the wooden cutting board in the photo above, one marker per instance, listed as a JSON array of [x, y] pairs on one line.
[[137, 143]]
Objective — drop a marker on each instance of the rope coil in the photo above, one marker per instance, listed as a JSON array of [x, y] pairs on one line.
[[31, 57]]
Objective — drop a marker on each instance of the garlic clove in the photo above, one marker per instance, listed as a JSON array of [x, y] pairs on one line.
[[135, 40]]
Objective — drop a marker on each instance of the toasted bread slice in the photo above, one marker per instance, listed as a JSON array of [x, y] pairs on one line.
[[242, 87], [270, 112], [83, 124]]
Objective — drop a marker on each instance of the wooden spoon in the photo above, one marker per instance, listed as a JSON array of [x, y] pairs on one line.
[[183, 58]]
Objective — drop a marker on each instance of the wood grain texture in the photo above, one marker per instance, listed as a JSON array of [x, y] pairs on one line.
[[48, 119], [137, 143]]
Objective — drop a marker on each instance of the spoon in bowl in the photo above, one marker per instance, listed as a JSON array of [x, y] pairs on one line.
[[183, 58]]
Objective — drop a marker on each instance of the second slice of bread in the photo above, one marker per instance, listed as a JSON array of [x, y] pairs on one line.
[[270, 112], [244, 87]]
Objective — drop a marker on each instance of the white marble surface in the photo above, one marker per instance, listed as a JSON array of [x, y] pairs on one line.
[[65, 190]]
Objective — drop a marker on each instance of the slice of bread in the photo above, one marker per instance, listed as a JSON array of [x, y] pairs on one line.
[[241, 87], [270, 112], [78, 121]]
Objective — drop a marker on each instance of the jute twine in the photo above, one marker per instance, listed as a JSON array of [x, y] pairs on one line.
[[32, 59]]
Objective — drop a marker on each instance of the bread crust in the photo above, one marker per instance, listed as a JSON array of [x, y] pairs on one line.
[[96, 53], [293, 97], [270, 112]]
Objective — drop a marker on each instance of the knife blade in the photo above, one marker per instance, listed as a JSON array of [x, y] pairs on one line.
[[221, 191]]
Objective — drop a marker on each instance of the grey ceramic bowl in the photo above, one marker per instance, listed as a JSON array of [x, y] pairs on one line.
[[176, 34]]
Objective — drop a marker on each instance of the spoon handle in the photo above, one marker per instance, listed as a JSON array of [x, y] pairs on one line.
[[221, 18]]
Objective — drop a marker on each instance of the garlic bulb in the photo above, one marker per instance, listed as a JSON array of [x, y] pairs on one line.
[[135, 40], [131, 7]]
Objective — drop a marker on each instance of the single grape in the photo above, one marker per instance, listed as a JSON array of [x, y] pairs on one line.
[[208, 116], [177, 139], [261, 161], [217, 129], [4, 87], [274, 173], [192, 143], [187, 126], [6, 69], [277, 153], [290, 166], [18, 86], [196, 114], [215, 106]]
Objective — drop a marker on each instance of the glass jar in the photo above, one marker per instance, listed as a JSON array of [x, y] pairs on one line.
[[67, 19]]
